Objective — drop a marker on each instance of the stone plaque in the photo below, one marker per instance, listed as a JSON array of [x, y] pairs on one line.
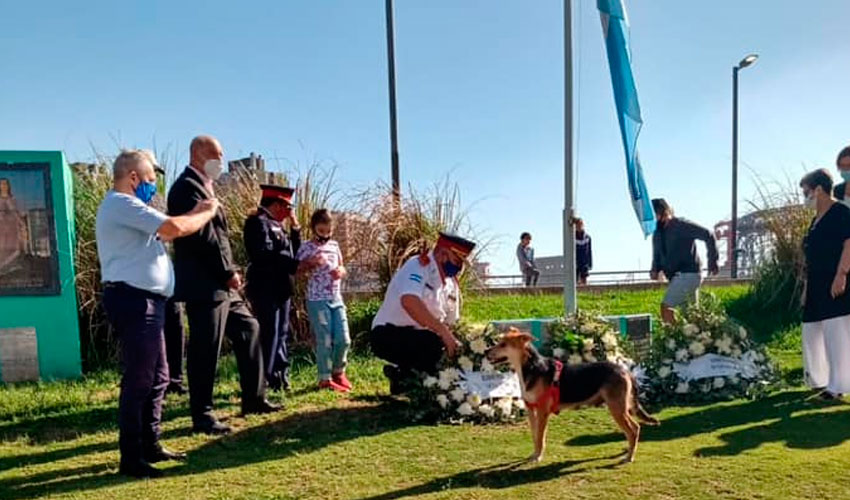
[[18, 354]]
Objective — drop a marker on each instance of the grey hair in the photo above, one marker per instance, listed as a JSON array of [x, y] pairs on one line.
[[129, 160]]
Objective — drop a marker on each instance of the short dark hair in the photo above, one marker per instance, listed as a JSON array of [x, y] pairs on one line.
[[661, 207], [524, 236], [845, 153], [320, 216], [818, 178]]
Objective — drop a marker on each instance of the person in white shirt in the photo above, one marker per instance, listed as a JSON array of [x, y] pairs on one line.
[[412, 328]]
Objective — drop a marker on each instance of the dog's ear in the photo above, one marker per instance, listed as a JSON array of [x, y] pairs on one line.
[[526, 338], [523, 338]]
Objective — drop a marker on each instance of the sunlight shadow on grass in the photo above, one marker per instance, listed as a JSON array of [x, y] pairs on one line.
[[500, 476]]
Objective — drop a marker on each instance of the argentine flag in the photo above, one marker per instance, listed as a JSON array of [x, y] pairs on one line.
[[615, 29]]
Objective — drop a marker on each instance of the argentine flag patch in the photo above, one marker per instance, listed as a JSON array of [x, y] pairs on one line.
[[416, 277]]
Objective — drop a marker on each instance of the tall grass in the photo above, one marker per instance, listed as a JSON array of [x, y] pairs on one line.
[[774, 302]]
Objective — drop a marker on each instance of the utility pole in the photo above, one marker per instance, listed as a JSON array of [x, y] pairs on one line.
[[570, 301], [393, 118]]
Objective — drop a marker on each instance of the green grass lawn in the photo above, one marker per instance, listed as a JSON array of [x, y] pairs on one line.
[[59, 440]]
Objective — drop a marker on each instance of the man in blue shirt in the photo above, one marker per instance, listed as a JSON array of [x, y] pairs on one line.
[[138, 279]]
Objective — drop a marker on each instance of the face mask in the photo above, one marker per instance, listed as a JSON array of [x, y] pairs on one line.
[[323, 239], [845, 174], [450, 269], [145, 191], [213, 169], [811, 201]]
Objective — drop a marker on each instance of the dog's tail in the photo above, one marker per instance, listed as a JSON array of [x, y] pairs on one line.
[[638, 410]]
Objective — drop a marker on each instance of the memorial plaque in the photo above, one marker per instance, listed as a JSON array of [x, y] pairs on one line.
[[18, 354]]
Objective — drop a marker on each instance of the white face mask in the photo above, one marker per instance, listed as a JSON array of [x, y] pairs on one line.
[[213, 169], [811, 201]]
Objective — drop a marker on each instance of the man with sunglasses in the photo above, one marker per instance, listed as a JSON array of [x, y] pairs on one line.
[[413, 326], [270, 279]]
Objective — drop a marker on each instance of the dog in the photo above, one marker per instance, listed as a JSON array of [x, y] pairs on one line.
[[549, 387]]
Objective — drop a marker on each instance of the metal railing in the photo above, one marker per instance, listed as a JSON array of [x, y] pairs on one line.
[[597, 278]]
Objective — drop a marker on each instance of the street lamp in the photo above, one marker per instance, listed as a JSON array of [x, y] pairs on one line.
[[745, 62]]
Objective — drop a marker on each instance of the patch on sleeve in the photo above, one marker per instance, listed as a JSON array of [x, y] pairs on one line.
[[416, 277]]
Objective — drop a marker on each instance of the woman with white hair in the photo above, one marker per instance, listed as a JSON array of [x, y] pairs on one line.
[[826, 303]]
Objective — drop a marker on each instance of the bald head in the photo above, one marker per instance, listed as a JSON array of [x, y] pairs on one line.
[[203, 148]]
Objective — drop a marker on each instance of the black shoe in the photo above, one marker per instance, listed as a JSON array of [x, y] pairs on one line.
[[212, 428], [176, 388], [139, 469], [276, 382], [261, 408], [158, 453], [397, 378]]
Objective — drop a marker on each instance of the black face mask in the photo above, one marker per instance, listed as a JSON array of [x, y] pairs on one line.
[[322, 239]]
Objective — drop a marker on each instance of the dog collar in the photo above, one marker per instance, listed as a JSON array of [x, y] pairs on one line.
[[552, 396]]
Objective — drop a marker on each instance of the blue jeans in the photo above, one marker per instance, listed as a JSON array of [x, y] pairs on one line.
[[329, 324]]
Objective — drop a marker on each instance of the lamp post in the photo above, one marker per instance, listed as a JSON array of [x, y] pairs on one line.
[[745, 62], [391, 80]]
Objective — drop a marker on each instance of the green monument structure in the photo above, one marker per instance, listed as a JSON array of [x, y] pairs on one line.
[[39, 332]]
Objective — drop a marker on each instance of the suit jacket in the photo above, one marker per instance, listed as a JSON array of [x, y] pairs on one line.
[[203, 262], [271, 254]]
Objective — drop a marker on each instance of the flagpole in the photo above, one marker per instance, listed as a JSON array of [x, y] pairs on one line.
[[570, 302]]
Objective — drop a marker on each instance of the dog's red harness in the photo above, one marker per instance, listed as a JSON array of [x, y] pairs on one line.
[[552, 396]]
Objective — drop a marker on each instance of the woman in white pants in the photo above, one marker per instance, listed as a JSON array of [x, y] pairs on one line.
[[826, 307]]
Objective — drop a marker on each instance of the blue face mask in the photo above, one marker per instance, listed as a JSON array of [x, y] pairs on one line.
[[450, 269], [145, 191]]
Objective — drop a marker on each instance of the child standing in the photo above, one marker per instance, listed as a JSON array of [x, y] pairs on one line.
[[321, 259]]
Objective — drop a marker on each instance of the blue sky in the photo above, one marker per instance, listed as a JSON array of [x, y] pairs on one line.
[[480, 89]]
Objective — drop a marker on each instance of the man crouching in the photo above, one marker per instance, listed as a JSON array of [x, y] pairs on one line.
[[412, 327]]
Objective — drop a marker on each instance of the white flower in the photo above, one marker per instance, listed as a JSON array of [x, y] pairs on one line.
[[682, 388], [724, 345], [664, 371], [465, 363], [590, 358], [696, 348], [519, 403], [505, 405], [671, 344], [609, 339], [442, 400], [681, 355], [668, 361], [574, 359], [464, 409], [558, 352], [705, 387], [742, 332], [444, 384], [690, 329], [430, 381], [474, 400], [486, 366], [735, 352], [588, 344], [486, 410], [458, 394], [719, 383], [478, 346], [734, 380]]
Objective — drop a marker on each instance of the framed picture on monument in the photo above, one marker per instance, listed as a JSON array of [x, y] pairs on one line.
[[29, 262]]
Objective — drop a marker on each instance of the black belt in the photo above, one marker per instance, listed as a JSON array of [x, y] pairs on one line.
[[120, 285]]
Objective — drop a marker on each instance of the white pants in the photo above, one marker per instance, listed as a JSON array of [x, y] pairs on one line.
[[826, 354]]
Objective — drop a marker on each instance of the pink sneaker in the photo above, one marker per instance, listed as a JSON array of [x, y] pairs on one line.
[[342, 380], [330, 384]]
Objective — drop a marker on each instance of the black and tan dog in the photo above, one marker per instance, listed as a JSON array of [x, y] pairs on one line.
[[548, 387]]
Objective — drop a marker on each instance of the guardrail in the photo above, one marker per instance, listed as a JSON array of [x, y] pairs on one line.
[[598, 278]]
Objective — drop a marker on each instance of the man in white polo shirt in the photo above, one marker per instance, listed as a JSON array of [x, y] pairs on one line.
[[138, 278], [413, 326]]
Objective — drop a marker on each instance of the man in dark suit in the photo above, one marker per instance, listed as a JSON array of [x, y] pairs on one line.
[[270, 277], [208, 282]]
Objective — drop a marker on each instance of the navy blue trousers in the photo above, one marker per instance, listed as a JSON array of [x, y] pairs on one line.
[[138, 317], [274, 322]]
